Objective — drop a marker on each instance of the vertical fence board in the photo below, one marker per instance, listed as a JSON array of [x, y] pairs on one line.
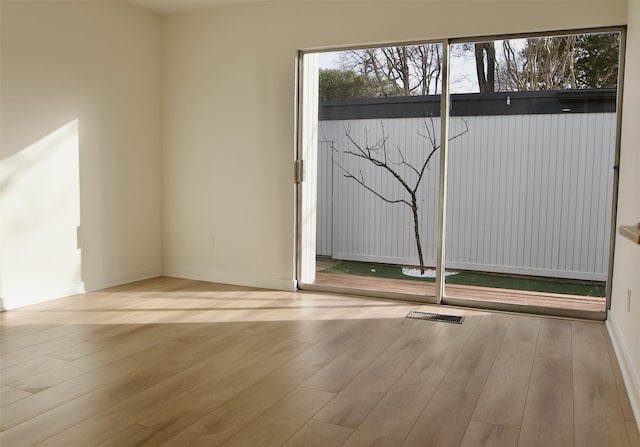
[[528, 194]]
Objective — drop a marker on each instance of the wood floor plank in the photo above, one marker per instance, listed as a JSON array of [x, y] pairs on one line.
[[189, 438], [116, 354], [227, 419], [335, 344], [352, 404], [137, 436], [598, 412], [34, 351], [9, 395], [28, 369], [275, 427], [554, 339], [444, 420], [9, 329], [598, 418], [105, 332], [335, 375], [504, 395], [315, 330], [101, 339], [33, 419], [634, 434], [238, 352], [10, 345], [470, 371], [591, 361], [201, 401], [480, 434], [319, 434], [99, 428], [154, 364], [548, 415], [392, 418], [524, 328], [625, 403]]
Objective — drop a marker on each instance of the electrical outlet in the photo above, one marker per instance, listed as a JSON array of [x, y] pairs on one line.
[[210, 242], [628, 300]]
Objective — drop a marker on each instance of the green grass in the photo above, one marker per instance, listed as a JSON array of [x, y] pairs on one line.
[[583, 288]]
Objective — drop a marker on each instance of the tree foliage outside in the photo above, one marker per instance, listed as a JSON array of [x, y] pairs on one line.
[[345, 84], [562, 62], [540, 63], [389, 71], [597, 60], [544, 63], [399, 71]]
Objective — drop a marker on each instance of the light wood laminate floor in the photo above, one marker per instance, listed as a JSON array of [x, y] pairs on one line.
[[175, 362]]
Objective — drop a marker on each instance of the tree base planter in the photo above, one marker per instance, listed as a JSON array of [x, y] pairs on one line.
[[428, 273]]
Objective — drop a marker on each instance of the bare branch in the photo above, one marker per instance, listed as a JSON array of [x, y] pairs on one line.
[[403, 161], [362, 183], [433, 151], [367, 155]]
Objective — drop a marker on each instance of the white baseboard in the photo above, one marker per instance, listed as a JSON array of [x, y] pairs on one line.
[[631, 377], [92, 284], [17, 300], [235, 278], [28, 298]]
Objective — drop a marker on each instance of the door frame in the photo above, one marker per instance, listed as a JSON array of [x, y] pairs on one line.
[[303, 133]]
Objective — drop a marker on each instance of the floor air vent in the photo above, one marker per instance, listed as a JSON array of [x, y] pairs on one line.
[[435, 317]]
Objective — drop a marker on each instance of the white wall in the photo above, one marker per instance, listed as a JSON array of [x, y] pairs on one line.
[[624, 326], [229, 115], [79, 146]]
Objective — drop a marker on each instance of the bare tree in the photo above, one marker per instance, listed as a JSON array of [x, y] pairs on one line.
[[399, 71], [537, 63], [543, 63], [408, 175]]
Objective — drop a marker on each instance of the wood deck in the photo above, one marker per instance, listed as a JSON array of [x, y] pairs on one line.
[[485, 294]]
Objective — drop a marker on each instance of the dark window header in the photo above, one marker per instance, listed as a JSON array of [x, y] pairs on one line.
[[473, 104]]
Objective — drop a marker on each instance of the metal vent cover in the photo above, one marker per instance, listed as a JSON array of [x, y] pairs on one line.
[[435, 317]]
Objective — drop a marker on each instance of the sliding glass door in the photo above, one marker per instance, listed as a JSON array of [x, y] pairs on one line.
[[523, 220]]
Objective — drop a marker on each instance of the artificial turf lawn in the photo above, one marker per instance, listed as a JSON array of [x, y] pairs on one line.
[[596, 289]]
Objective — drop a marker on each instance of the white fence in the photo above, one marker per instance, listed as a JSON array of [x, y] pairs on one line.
[[527, 194]]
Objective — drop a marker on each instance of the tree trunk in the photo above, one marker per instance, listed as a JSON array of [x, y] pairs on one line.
[[416, 229], [491, 66], [486, 79]]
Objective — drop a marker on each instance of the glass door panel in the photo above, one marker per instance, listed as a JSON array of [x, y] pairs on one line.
[[377, 170], [530, 185]]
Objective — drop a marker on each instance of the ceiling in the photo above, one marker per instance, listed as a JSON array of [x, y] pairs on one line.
[[175, 6]]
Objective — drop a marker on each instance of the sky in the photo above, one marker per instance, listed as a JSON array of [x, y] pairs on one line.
[[463, 69]]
